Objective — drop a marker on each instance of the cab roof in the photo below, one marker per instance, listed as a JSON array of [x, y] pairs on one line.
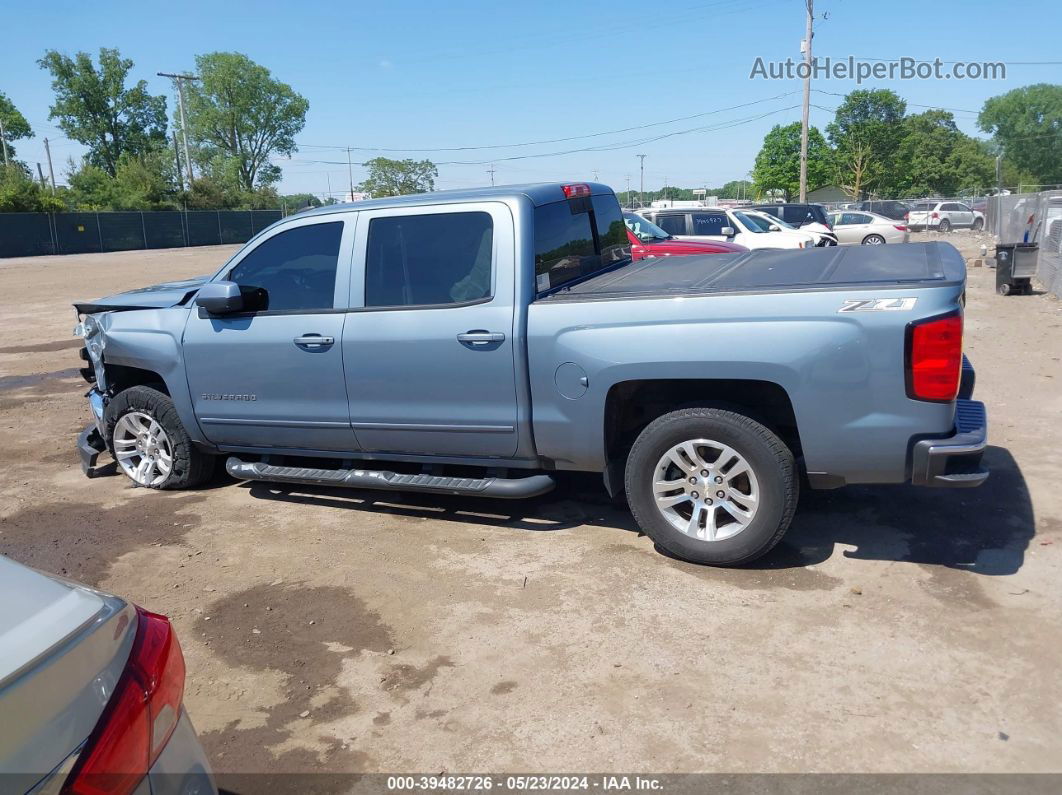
[[538, 193]]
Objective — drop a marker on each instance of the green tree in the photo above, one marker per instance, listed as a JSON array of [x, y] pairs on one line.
[[742, 188], [95, 107], [777, 165], [399, 177], [935, 158], [142, 182], [15, 124], [1027, 123], [19, 193], [865, 134], [240, 115]]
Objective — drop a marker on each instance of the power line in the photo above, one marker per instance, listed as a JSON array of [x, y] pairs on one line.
[[554, 140]]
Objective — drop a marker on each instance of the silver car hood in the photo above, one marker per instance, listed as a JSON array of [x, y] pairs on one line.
[[157, 296]]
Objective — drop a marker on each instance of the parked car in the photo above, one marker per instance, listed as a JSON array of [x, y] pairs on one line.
[[478, 342], [889, 208], [821, 235], [648, 241], [90, 693], [797, 214], [944, 216], [723, 224], [868, 229]]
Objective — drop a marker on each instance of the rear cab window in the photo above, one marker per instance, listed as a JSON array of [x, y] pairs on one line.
[[577, 238], [429, 259], [673, 223]]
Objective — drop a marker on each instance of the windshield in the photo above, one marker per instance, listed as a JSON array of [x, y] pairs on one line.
[[752, 223], [644, 230], [923, 205], [770, 219]]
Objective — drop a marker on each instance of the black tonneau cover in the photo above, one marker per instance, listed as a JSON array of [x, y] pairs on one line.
[[778, 270]]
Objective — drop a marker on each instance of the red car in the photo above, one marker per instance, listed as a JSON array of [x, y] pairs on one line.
[[648, 240]]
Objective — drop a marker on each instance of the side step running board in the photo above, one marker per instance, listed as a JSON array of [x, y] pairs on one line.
[[507, 488]]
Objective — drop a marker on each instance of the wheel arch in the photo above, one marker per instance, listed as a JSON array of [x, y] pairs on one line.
[[632, 405]]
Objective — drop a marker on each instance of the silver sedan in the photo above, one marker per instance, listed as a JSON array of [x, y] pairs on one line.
[[855, 228]]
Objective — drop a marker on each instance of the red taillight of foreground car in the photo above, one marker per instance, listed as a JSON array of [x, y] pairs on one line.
[[901, 227], [139, 718], [935, 215], [934, 358]]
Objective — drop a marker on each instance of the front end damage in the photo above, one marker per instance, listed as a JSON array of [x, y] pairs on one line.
[[91, 441]]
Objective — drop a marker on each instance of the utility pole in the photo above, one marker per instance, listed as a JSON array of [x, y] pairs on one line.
[[40, 173], [491, 171], [641, 182], [51, 171], [665, 189], [184, 124], [177, 157], [350, 174], [3, 140], [807, 102], [629, 202], [595, 175]]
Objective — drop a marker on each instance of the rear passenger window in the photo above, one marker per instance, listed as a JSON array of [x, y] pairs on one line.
[[292, 270], [672, 224], [797, 215], [426, 260], [709, 223]]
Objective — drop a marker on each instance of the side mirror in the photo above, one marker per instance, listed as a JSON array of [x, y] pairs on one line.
[[220, 298], [727, 231]]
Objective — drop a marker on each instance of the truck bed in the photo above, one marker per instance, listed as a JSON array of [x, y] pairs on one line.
[[777, 270]]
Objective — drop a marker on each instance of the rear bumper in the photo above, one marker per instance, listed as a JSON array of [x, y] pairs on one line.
[[954, 461], [182, 767]]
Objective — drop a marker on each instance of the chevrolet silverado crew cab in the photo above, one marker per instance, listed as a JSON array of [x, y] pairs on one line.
[[479, 342]]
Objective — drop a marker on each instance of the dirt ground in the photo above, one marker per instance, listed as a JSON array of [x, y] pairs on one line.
[[894, 629]]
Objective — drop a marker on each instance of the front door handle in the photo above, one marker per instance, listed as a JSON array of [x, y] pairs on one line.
[[314, 340], [479, 337]]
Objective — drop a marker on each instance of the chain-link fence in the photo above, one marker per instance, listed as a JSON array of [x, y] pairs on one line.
[[33, 234]]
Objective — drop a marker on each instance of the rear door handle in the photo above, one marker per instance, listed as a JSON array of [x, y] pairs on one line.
[[480, 337], [314, 340]]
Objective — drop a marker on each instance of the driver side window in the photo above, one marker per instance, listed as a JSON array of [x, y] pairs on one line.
[[292, 270]]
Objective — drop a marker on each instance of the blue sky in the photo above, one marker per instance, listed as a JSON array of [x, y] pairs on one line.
[[426, 75]]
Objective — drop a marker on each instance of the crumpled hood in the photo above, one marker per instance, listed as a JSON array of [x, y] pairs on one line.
[[155, 297]]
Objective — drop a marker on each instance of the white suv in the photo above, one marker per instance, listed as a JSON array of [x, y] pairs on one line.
[[944, 216], [721, 223]]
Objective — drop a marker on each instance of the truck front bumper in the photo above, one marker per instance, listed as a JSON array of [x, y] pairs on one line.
[[954, 461], [90, 443]]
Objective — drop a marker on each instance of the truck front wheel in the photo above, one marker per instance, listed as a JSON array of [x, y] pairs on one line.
[[150, 444], [711, 486]]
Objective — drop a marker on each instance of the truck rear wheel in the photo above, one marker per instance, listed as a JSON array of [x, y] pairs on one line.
[[711, 486], [150, 444]]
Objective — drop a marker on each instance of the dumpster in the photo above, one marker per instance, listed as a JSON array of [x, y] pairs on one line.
[[1015, 267]]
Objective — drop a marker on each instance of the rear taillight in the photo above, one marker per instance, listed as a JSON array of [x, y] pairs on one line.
[[934, 358], [935, 215], [907, 216], [139, 718], [575, 191], [901, 227]]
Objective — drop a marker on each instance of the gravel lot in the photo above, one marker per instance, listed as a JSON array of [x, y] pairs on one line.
[[895, 629]]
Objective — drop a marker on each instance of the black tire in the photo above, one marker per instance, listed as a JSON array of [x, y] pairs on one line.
[[769, 457], [873, 240], [945, 226], [978, 224], [190, 466]]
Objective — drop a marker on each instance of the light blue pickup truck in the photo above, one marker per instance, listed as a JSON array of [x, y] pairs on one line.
[[478, 342]]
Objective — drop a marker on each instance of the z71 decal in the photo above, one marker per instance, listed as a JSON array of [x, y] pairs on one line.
[[878, 305]]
